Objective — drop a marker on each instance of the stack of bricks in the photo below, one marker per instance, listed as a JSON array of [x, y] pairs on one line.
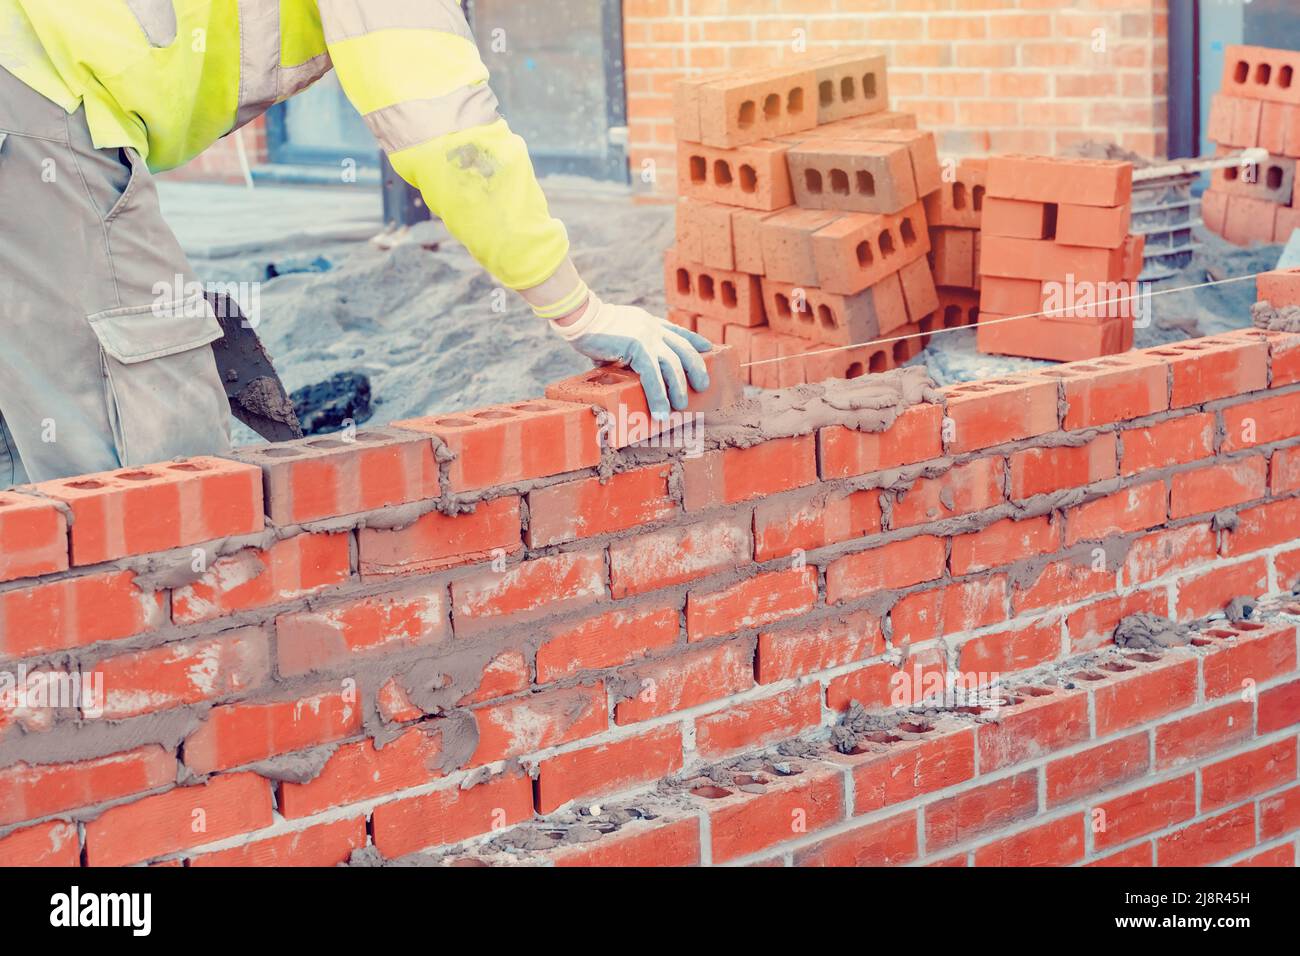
[[1057, 260], [1258, 106], [801, 228], [954, 213]]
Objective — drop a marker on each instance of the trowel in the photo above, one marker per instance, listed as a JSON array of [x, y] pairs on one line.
[[253, 387]]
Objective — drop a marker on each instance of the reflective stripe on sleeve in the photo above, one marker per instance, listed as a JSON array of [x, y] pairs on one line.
[[346, 19], [408, 124]]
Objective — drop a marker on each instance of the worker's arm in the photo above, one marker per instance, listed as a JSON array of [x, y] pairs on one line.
[[412, 70]]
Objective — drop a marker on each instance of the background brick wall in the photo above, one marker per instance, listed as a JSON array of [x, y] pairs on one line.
[[219, 163], [986, 75]]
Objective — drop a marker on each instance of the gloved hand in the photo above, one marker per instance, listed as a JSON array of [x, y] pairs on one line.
[[666, 356]]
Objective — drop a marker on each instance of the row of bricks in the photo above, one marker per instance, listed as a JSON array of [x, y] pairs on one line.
[[1273, 180], [1243, 220], [841, 253], [330, 636], [928, 756], [90, 519], [55, 615], [745, 106], [757, 176], [1126, 691], [1243, 123]]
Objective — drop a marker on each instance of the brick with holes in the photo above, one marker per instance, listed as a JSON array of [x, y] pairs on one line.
[[722, 294], [820, 316], [852, 175], [857, 250], [756, 176]]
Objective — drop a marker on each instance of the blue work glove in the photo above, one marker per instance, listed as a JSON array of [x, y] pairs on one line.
[[666, 356]]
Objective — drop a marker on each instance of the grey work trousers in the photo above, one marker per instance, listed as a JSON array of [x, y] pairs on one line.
[[104, 335]]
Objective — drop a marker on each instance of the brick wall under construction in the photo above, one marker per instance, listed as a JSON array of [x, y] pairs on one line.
[[502, 635]]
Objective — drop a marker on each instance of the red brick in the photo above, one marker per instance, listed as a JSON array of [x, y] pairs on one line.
[[46, 844], [1250, 219], [539, 721], [1054, 339], [1252, 655], [1019, 219], [741, 474], [33, 537], [786, 527], [1131, 509], [1087, 182], [639, 843], [1043, 259], [505, 674], [884, 684], [1203, 594], [1004, 542], [158, 507], [794, 653], [1093, 626], [1245, 775], [788, 808], [675, 555], [1004, 410], [684, 681], [620, 393], [580, 509], [739, 108], [858, 250], [1063, 582], [1014, 649], [1098, 769], [961, 606], [337, 634], [1279, 707], [959, 202], [953, 257], [722, 294], [894, 565], [327, 476], [1284, 471], [608, 640], [1278, 856], [1279, 814], [251, 578], [1203, 372], [852, 175], [754, 176], [184, 672], [154, 826], [1262, 422], [1141, 855], [967, 814], [884, 843], [704, 233], [75, 612], [1218, 486], [906, 769], [1098, 226], [451, 815], [913, 437], [1036, 471], [1140, 694], [758, 722], [850, 85], [237, 734], [358, 771], [1167, 551], [325, 844], [608, 768], [754, 602], [1058, 843], [30, 791], [1037, 725], [1208, 841], [545, 585], [435, 541], [1279, 288], [502, 444], [822, 317], [787, 240], [962, 489], [1191, 738], [1144, 811]]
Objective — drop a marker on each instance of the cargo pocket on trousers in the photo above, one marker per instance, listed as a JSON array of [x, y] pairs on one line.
[[163, 393]]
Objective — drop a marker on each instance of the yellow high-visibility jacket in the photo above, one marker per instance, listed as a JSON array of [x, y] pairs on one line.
[[169, 77]]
